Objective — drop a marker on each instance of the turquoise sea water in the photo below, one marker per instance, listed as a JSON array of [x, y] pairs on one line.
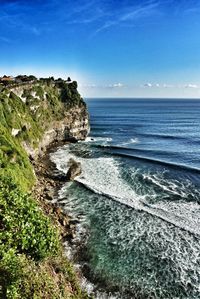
[[138, 196]]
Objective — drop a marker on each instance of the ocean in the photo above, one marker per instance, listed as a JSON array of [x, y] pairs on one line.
[[138, 197]]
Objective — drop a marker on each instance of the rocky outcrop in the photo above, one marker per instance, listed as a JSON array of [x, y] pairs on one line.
[[19, 90], [74, 170]]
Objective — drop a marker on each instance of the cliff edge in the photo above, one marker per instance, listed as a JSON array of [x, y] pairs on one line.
[[32, 116]]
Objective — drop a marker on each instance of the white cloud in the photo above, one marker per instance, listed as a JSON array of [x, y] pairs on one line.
[[165, 85], [151, 85], [118, 85], [148, 85], [191, 85], [139, 12], [129, 15], [114, 85]]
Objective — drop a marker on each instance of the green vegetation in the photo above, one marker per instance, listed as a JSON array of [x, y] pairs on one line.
[[32, 264], [14, 161], [24, 78], [69, 93], [24, 225]]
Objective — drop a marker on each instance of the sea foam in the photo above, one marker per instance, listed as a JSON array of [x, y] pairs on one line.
[[102, 176]]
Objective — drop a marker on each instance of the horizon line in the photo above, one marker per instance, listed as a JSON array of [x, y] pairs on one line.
[[143, 98]]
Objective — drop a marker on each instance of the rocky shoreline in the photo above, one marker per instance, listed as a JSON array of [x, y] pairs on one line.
[[46, 190], [49, 182]]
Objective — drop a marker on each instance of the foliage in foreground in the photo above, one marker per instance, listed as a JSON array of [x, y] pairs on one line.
[[23, 278], [32, 264], [24, 227]]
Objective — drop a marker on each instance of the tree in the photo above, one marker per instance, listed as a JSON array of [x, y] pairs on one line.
[[32, 78]]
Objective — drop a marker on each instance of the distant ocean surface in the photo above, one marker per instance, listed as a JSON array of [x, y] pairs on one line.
[[138, 196]]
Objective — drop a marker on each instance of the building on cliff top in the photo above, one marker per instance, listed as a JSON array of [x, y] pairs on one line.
[[7, 79]]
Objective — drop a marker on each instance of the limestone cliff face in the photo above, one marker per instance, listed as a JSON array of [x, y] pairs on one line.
[[73, 127], [35, 115]]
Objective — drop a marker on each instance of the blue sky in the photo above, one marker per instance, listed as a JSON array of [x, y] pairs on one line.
[[145, 48]]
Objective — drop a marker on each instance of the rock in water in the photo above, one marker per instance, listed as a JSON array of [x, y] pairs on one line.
[[74, 169]]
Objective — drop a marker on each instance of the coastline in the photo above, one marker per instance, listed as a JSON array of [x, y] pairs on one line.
[[150, 232], [46, 190], [34, 122], [49, 182]]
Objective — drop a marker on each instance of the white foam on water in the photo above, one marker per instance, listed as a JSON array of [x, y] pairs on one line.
[[97, 140], [129, 142], [180, 215], [102, 176], [129, 230], [172, 186]]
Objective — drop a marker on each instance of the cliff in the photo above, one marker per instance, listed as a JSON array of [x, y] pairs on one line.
[[56, 118], [32, 116]]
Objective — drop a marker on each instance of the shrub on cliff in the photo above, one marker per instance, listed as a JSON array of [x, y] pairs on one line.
[[75, 96], [69, 93], [14, 161], [23, 225], [23, 278], [65, 91], [31, 261], [25, 233]]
